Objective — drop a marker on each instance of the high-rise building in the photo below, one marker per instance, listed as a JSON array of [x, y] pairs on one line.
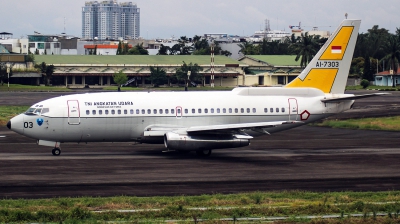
[[110, 20]]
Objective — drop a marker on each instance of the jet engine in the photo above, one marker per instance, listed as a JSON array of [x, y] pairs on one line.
[[196, 142]]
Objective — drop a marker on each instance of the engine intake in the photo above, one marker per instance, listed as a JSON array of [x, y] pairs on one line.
[[184, 142]]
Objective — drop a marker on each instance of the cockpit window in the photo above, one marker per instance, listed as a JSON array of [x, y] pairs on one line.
[[30, 110], [37, 111]]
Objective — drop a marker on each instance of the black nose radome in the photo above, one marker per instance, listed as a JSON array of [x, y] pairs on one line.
[[9, 125]]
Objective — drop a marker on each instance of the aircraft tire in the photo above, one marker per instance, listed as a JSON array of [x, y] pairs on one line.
[[56, 151], [206, 152]]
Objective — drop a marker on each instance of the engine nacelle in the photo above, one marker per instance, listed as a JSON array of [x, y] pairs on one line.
[[184, 142]]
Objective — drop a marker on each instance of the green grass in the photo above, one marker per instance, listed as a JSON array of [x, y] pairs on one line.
[[29, 88], [256, 204], [383, 88], [7, 112], [381, 123], [217, 88]]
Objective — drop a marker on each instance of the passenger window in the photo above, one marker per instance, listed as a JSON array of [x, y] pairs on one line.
[[271, 110], [87, 112], [212, 110], [143, 111], [106, 111], [155, 111], [277, 110], [218, 110], [224, 110], [178, 111], [100, 112], [236, 110], [265, 110], [254, 110], [230, 110], [241, 110], [137, 111], [186, 111], [166, 111], [148, 111], [161, 111], [193, 111], [248, 110], [131, 111], [172, 111], [199, 111], [206, 110], [119, 111], [94, 112], [126, 111], [283, 110], [112, 111]]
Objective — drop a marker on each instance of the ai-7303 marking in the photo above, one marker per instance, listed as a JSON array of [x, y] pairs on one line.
[[327, 64]]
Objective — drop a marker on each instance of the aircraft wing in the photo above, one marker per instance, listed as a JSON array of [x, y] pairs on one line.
[[346, 98], [159, 130]]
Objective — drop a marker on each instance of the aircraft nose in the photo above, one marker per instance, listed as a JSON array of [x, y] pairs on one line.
[[9, 124]]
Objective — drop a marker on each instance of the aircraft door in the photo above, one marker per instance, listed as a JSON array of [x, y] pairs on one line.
[[178, 112], [293, 109], [74, 117]]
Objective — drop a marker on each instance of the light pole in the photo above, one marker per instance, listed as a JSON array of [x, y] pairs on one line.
[[8, 78], [188, 79]]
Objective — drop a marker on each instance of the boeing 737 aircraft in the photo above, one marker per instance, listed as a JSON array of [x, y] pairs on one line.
[[199, 121]]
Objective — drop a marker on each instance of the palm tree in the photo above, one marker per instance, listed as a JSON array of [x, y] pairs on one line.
[[247, 48], [158, 76], [306, 48], [392, 46]]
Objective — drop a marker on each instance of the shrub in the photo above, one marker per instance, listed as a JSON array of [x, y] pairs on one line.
[[364, 83]]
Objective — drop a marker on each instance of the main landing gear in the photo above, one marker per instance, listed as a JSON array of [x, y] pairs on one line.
[[204, 152], [56, 151]]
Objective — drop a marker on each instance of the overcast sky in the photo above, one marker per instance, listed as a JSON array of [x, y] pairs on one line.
[[164, 18]]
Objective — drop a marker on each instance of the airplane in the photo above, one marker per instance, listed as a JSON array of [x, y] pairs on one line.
[[199, 121]]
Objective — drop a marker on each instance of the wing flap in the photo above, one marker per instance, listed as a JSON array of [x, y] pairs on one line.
[[239, 126]]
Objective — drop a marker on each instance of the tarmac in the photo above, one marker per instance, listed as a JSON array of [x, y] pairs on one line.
[[305, 158]]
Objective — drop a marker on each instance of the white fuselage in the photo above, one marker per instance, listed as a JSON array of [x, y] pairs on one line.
[[124, 116]]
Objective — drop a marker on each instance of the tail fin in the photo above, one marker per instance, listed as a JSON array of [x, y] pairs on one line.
[[329, 69]]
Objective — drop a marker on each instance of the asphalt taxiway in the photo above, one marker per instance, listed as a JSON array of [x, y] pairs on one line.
[[305, 158]]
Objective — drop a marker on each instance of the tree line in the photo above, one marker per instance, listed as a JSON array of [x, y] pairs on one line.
[[376, 50]]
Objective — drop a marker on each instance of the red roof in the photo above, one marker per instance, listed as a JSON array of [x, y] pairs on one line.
[[388, 72]]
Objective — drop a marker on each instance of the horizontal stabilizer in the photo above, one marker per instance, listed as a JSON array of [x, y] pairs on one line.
[[347, 98]]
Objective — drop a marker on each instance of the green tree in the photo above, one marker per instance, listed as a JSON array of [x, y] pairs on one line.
[[367, 71], [158, 76], [125, 48], [95, 50], [392, 58], [163, 50], [119, 49], [181, 73], [138, 50], [120, 78], [306, 48], [47, 71], [248, 48]]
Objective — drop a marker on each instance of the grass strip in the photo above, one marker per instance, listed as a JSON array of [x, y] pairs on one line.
[[29, 88], [8, 112], [206, 207], [378, 123]]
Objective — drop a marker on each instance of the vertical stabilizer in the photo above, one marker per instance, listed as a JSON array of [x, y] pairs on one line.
[[329, 69]]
